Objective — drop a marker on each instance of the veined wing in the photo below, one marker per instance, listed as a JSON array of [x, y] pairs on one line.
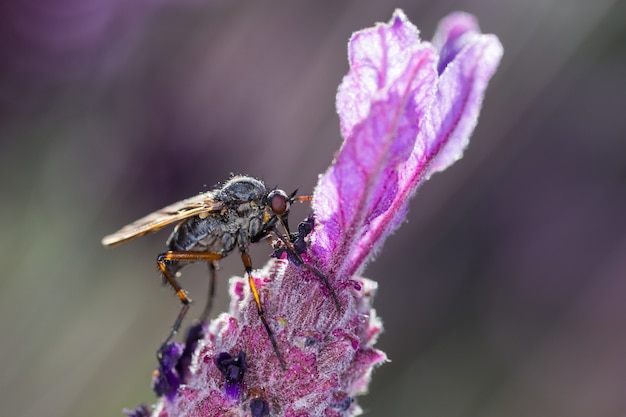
[[193, 206]]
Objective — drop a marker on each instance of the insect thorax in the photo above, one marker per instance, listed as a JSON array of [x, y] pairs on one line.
[[234, 226], [243, 189]]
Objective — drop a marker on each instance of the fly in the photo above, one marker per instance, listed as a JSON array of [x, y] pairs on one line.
[[213, 224]]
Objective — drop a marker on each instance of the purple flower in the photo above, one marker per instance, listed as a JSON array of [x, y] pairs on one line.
[[166, 379], [298, 240], [233, 368], [407, 109], [175, 362], [406, 112], [142, 411]]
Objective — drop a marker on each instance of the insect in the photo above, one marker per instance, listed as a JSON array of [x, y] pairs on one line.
[[213, 224]]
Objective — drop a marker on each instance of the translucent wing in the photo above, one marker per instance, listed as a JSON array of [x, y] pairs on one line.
[[193, 206]]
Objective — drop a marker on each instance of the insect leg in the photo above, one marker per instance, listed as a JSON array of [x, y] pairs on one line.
[[247, 263], [209, 302], [186, 256]]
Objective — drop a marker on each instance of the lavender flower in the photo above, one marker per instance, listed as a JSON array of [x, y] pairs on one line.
[[233, 368], [142, 411], [407, 109], [175, 361]]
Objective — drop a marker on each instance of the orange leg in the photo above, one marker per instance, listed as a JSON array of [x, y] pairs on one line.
[[212, 258], [247, 263], [186, 256]]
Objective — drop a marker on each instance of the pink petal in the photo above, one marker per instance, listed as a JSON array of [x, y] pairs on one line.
[[402, 121], [381, 104]]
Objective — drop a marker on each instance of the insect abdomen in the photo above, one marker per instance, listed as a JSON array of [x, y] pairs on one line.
[[206, 235]]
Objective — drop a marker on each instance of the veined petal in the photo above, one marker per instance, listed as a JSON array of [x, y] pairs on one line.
[[460, 92], [451, 36], [381, 103], [402, 120], [377, 57]]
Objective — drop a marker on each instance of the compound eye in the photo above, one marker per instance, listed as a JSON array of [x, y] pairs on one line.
[[278, 202]]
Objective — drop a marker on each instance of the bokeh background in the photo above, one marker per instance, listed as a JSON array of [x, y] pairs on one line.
[[503, 295]]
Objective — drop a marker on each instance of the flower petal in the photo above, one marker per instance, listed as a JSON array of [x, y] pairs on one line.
[[402, 121], [460, 93], [381, 103], [450, 36]]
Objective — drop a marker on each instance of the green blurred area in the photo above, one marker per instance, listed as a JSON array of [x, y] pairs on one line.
[[502, 295]]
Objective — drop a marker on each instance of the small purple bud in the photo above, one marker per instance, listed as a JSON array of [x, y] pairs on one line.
[[170, 354], [305, 227], [259, 408], [165, 383], [341, 401], [196, 332], [233, 368], [175, 360], [166, 380], [298, 241], [142, 411]]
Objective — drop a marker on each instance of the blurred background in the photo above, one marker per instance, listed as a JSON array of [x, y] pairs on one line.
[[503, 294]]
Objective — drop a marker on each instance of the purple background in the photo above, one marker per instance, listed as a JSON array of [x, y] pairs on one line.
[[504, 293]]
